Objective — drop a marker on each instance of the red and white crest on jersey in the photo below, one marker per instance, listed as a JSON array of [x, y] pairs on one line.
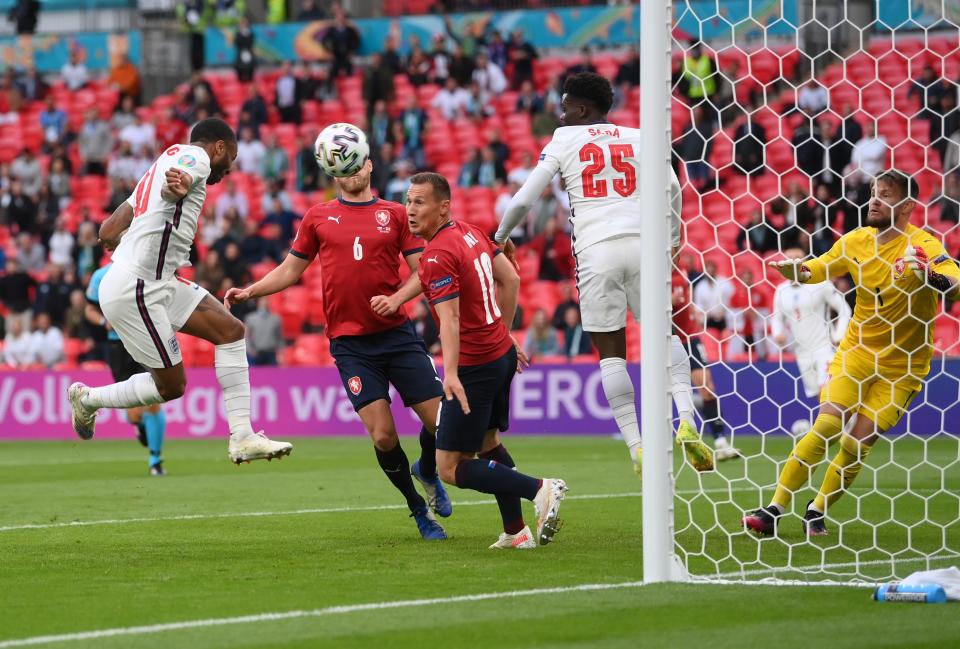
[[355, 385], [383, 217]]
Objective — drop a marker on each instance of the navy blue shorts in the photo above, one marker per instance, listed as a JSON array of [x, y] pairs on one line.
[[122, 365], [697, 354], [488, 392], [369, 364]]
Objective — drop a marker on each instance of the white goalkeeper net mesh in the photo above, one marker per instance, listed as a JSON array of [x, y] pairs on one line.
[[782, 115]]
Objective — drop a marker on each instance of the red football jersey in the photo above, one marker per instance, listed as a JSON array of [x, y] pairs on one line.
[[684, 316], [458, 262], [359, 245]]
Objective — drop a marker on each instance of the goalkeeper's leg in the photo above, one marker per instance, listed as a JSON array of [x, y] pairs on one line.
[[699, 454]]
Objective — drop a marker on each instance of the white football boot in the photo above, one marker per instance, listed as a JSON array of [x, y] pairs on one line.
[[84, 420], [256, 447], [547, 505], [723, 450], [522, 540]]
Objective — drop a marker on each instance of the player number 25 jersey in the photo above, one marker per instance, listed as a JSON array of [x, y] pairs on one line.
[[600, 165], [159, 239]]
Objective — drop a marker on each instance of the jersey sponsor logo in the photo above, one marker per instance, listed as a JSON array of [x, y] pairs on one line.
[[333, 218], [440, 283], [355, 385], [187, 160], [383, 221]]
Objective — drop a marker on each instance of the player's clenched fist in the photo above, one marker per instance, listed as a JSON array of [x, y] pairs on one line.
[[176, 185], [236, 296], [916, 260], [792, 269], [384, 305]]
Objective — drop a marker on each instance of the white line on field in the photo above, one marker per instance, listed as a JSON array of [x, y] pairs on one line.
[[344, 509], [319, 612], [830, 566]]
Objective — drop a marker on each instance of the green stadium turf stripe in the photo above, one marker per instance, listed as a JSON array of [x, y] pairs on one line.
[[291, 615]]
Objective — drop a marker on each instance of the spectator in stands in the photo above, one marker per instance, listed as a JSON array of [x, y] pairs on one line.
[[699, 73], [930, 90], [711, 294], [418, 66], [461, 67], [756, 235], [566, 302], [124, 115], [53, 122], [19, 210], [311, 10], [555, 249], [390, 58], [194, 15], [48, 210], [58, 180], [124, 165], [250, 153], [141, 135], [470, 169], [46, 341], [425, 326], [254, 247], [546, 122], [17, 347], [23, 14], [383, 164], [812, 98], [380, 124], [528, 100], [87, 252], [585, 64], [341, 39], [255, 108], [125, 78], [950, 200], [75, 323], [750, 309], [414, 122], [231, 199], [26, 168], [869, 157], [477, 106], [695, 146], [16, 287], [497, 49], [541, 339], [377, 83], [491, 171], [245, 42], [74, 72], [275, 161], [320, 86], [399, 183], [31, 84], [61, 245], [749, 141], [519, 174], [439, 60], [500, 149], [14, 106], [951, 160], [522, 54], [276, 191], [235, 267], [282, 216], [849, 127], [53, 294], [289, 95], [628, 74], [32, 254], [489, 77], [452, 100], [942, 127], [210, 274], [575, 340], [307, 170], [264, 334], [95, 142], [838, 152]]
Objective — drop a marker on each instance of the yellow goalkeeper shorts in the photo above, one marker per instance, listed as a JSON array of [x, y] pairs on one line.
[[856, 384]]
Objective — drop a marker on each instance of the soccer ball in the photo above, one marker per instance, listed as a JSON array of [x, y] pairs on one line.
[[341, 150]]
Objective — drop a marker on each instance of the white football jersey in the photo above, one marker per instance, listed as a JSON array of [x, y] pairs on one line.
[[802, 310], [601, 165], [161, 233]]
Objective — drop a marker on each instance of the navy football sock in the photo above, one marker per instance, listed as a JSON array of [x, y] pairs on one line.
[[397, 468], [711, 417], [428, 454], [511, 510], [492, 477]]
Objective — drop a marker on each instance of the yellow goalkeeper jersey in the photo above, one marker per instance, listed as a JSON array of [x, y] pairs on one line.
[[893, 318]]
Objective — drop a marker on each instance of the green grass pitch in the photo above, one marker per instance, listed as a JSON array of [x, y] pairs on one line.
[[323, 529]]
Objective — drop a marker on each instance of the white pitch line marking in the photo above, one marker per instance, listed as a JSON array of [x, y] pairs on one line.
[[290, 615]]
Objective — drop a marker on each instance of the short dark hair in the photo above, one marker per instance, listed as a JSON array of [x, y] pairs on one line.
[[441, 188], [590, 86], [211, 130], [905, 184]]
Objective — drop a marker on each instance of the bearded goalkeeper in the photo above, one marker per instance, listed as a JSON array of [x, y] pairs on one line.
[[900, 272]]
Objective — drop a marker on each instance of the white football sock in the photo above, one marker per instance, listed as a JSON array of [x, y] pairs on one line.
[[680, 381], [138, 390], [233, 373], [618, 388]]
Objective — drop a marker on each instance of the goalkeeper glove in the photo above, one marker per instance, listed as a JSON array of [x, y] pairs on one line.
[[792, 269], [916, 259]]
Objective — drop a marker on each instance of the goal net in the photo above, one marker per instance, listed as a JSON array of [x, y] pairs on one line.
[[783, 113]]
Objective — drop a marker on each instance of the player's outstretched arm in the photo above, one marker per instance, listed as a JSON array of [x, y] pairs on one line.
[[281, 277], [387, 305], [523, 200], [111, 230], [448, 311], [792, 269]]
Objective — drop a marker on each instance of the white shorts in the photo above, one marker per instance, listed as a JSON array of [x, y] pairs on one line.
[[608, 278], [146, 314], [813, 369]]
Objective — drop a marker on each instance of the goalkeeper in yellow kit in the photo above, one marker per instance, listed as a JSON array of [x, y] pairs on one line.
[[900, 273]]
